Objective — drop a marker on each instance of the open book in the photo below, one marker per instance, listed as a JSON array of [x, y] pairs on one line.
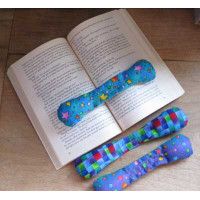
[[93, 52]]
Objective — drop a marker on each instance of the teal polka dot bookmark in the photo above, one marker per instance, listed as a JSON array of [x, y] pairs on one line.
[[72, 111]]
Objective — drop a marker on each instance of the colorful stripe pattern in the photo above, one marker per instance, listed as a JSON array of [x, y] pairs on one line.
[[177, 148], [72, 111], [168, 122]]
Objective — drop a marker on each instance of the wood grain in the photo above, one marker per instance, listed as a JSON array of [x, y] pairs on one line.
[[6, 17], [24, 162], [172, 32], [32, 27]]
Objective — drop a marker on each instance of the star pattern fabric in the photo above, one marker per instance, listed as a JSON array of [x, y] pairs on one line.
[[72, 111]]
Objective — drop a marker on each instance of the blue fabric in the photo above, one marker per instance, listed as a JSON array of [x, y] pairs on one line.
[[177, 148], [168, 122], [72, 111]]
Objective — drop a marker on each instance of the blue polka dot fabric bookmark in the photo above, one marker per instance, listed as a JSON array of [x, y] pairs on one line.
[[177, 148], [72, 111]]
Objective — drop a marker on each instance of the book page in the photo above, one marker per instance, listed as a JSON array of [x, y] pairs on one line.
[[112, 42], [43, 79]]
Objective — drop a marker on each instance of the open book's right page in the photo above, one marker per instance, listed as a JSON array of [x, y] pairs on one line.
[[112, 42]]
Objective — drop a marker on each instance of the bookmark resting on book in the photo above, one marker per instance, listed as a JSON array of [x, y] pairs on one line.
[[168, 122], [72, 111], [177, 148]]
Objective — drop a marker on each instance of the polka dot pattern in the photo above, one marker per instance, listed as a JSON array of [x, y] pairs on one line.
[[162, 155], [72, 111]]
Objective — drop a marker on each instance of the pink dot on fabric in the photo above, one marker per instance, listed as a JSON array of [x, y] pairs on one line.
[[158, 151], [65, 115], [138, 68], [120, 177]]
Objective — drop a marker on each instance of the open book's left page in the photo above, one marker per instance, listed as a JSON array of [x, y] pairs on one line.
[[43, 79]]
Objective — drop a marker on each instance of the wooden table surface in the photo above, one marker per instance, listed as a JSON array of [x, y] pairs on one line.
[[24, 163]]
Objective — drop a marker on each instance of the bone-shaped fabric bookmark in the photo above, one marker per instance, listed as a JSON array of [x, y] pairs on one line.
[[168, 122], [177, 148], [72, 111]]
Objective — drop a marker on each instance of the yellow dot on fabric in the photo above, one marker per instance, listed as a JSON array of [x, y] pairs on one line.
[[129, 81], [160, 158], [103, 97], [82, 105], [68, 103]]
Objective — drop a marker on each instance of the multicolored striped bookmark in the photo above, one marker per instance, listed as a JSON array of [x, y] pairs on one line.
[[168, 122], [72, 111], [177, 148]]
